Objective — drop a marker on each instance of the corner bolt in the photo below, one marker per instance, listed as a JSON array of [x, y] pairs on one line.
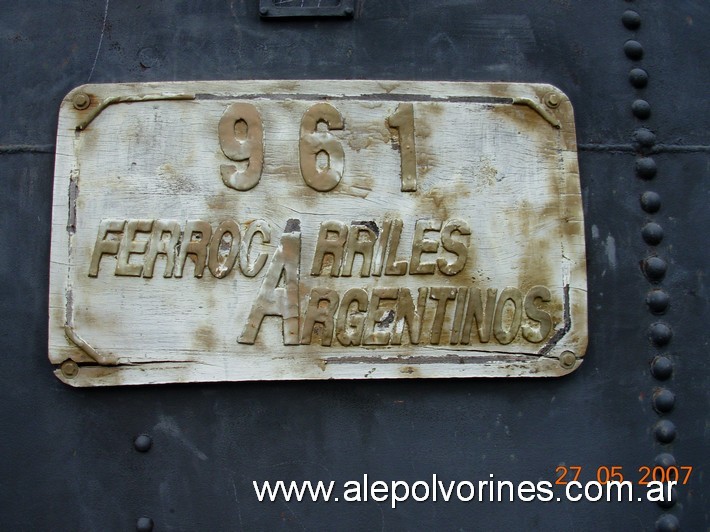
[[568, 360], [70, 369], [81, 101], [552, 100]]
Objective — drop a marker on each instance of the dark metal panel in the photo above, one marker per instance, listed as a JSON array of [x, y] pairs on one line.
[[683, 185], [514, 40], [69, 454]]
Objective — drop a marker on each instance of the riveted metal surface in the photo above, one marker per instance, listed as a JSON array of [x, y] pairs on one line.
[[70, 461]]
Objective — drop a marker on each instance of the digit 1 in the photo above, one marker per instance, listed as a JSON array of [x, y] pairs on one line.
[[241, 137], [403, 121]]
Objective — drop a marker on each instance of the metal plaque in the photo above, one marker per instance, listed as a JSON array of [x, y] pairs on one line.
[[227, 231], [306, 8]]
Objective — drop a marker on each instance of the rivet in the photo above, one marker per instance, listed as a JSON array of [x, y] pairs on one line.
[[81, 101], [661, 367], [650, 201], [667, 523], [645, 167], [670, 502], [657, 301], [552, 100], [665, 431], [631, 19], [633, 49], [148, 57], [660, 334], [644, 137], [663, 400], [143, 443], [652, 233], [349, 11], [641, 109], [70, 369], [568, 360], [665, 460], [144, 524], [654, 268], [263, 10], [638, 77]]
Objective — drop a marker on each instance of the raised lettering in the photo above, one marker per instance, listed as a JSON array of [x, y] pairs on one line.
[[379, 259], [422, 245], [475, 312], [131, 246], [350, 330], [201, 231], [159, 246], [251, 269], [361, 241], [537, 334], [241, 137], [275, 300], [107, 243], [459, 315], [515, 296], [458, 248], [223, 252], [442, 295], [409, 315], [403, 121], [321, 155], [330, 246], [379, 317], [394, 266], [321, 309]]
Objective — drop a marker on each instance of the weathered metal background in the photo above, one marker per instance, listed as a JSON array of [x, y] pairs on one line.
[[68, 456]]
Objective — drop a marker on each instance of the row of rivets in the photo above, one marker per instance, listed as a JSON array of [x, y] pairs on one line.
[[653, 267], [142, 443]]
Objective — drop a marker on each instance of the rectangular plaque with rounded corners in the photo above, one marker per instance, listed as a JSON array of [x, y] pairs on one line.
[[257, 230], [306, 8]]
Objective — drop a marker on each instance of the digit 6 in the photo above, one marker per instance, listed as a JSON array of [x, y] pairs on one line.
[[314, 143]]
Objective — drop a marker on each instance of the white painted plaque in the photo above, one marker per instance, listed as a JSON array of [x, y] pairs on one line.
[[249, 230]]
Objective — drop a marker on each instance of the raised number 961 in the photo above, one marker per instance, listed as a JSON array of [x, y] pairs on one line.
[[321, 156]]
